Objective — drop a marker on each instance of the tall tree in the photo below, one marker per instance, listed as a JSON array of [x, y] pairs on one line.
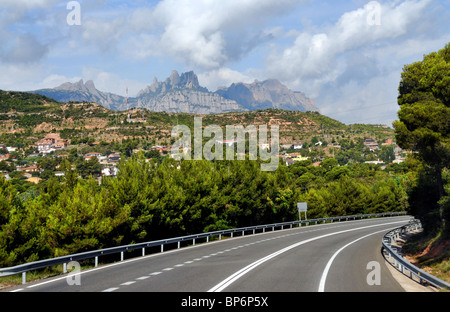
[[423, 125]]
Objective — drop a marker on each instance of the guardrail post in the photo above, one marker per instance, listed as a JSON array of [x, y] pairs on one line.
[[193, 241], [415, 225], [64, 268], [24, 278], [178, 245]]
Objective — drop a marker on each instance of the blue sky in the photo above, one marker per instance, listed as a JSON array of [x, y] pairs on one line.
[[346, 55]]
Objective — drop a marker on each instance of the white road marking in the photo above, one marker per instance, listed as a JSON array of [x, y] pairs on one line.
[[167, 269], [128, 283], [232, 278], [155, 273], [328, 266]]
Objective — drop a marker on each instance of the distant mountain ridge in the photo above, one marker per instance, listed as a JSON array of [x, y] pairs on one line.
[[84, 92], [267, 94], [183, 94]]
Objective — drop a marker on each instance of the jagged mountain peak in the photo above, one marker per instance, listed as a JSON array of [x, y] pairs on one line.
[[187, 80], [270, 93], [183, 93], [77, 86]]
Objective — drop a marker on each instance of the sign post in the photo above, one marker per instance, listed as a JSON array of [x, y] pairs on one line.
[[302, 207]]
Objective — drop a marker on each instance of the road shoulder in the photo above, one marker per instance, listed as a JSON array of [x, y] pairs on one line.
[[408, 284]]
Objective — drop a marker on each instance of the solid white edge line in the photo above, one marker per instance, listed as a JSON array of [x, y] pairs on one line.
[[328, 266], [232, 278]]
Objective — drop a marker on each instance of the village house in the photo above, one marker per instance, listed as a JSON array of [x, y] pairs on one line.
[[110, 171], [113, 158], [28, 169], [50, 143], [371, 144], [88, 156]]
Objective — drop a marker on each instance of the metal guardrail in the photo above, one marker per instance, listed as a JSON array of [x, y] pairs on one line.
[[401, 263], [23, 268]]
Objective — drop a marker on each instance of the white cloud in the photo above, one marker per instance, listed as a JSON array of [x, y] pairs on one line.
[[204, 33], [314, 59], [23, 49], [111, 82], [104, 34], [222, 77], [356, 103], [29, 77], [22, 6], [351, 64]]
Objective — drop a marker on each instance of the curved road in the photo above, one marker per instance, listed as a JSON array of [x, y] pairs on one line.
[[335, 257]]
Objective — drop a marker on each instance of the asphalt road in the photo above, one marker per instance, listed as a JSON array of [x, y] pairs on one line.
[[336, 257]]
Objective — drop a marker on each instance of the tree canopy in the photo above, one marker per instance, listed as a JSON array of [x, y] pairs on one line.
[[424, 116], [151, 200]]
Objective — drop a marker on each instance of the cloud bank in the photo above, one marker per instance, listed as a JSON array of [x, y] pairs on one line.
[[347, 57]]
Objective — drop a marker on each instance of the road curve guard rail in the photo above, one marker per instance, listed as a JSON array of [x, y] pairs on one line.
[[401, 263], [64, 260]]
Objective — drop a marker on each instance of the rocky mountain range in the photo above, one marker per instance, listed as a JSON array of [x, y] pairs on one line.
[[267, 94], [84, 92], [183, 94]]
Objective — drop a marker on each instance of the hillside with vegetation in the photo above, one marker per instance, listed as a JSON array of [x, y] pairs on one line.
[[73, 206]]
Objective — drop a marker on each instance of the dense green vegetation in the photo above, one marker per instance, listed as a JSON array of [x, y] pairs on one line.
[[151, 200], [423, 127]]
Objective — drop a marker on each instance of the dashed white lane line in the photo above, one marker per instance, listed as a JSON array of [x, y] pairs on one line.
[[155, 273], [232, 278], [189, 262], [204, 257], [128, 283]]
